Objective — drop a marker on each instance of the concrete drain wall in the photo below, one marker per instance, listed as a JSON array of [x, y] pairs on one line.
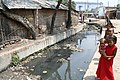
[[34, 46]]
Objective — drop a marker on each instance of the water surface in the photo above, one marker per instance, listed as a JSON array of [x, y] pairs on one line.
[[67, 60]]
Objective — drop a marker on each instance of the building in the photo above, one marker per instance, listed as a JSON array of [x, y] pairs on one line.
[[100, 11], [112, 12], [30, 18], [87, 6], [118, 14]]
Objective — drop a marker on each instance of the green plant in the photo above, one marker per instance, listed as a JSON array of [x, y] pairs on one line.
[[15, 59]]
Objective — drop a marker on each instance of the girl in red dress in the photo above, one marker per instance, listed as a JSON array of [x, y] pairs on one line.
[[105, 70]]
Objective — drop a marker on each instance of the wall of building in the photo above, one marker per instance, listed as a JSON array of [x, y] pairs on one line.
[[75, 18], [101, 12], [0, 27], [45, 17], [118, 14], [14, 28], [40, 19], [111, 14]]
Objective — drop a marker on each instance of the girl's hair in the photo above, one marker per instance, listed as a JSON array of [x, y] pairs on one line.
[[110, 29], [102, 40], [112, 38]]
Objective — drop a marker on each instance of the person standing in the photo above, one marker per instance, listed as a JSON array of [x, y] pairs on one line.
[[108, 27], [105, 69], [110, 33]]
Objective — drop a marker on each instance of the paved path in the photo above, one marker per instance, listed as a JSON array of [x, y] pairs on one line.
[[90, 74]]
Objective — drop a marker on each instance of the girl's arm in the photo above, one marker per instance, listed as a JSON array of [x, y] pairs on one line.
[[110, 56], [114, 53], [103, 53]]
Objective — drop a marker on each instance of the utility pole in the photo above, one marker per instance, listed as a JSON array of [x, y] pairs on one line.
[[69, 21], [97, 3], [108, 3], [87, 5]]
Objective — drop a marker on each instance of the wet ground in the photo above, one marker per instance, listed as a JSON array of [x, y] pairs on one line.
[[66, 60]]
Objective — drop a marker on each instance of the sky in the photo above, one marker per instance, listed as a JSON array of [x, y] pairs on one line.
[[110, 3]]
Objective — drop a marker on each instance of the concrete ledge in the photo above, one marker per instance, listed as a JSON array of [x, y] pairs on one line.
[[91, 71], [5, 60], [36, 45]]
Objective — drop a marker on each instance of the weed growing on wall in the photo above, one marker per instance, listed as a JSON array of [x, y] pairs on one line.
[[15, 59]]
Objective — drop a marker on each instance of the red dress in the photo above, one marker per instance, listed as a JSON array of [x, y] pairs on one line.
[[105, 70]]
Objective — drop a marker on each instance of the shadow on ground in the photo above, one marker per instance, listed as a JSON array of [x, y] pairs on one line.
[[90, 78]]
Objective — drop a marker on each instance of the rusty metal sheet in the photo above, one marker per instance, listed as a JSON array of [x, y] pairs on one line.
[[0, 5], [43, 3], [21, 4], [32, 4], [50, 4], [53, 4]]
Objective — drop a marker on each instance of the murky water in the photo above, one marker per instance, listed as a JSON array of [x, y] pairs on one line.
[[69, 59]]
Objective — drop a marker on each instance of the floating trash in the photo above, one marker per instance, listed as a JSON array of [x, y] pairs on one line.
[[62, 60], [44, 72], [82, 70], [68, 58], [59, 55]]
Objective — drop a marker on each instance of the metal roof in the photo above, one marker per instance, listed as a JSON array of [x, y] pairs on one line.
[[42, 3], [53, 5], [50, 4], [0, 5], [32, 4], [21, 4]]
